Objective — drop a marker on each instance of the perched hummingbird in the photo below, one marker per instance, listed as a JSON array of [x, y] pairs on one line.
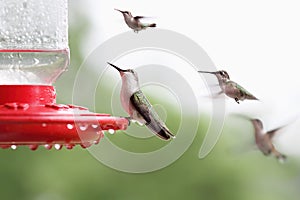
[[264, 140], [134, 22], [137, 105], [231, 88]]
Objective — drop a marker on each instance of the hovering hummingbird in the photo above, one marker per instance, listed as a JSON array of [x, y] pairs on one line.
[[264, 140], [137, 105], [134, 22], [231, 88]]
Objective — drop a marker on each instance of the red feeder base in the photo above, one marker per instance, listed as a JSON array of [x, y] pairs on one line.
[[30, 116]]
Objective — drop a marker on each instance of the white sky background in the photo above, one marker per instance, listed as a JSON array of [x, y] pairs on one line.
[[256, 42]]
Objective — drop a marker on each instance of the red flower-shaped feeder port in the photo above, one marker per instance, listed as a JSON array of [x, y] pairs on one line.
[[30, 116]]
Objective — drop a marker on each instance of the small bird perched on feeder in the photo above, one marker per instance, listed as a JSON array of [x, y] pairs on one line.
[[137, 105]]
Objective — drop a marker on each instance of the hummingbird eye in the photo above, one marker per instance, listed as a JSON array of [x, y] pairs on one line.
[[221, 73], [224, 74], [131, 71]]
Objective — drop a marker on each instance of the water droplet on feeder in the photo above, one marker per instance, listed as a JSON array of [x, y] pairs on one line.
[[69, 146], [111, 131], [95, 126], [58, 146], [13, 147], [33, 147], [83, 127], [36, 61], [70, 126], [48, 146], [44, 124]]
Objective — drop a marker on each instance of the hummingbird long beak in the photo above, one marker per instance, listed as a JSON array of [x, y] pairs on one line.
[[119, 10], [207, 72], [117, 68]]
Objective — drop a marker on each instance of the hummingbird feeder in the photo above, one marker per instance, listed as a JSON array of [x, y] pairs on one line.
[[33, 53]]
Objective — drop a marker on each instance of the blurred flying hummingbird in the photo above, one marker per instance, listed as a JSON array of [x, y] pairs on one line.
[[231, 88], [264, 140], [134, 22], [137, 105]]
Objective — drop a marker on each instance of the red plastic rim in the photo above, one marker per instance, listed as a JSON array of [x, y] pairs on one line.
[[31, 94], [30, 116]]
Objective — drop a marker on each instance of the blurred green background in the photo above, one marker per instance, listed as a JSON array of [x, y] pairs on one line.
[[233, 170]]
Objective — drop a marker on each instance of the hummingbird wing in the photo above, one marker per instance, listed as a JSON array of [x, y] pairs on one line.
[[247, 94], [139, 17], [153, 122], [274, 131], [142, 105]]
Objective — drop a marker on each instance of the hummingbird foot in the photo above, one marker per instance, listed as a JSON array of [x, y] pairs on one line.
[[237, 100], [129, 119], [139, 123], [281, 158]]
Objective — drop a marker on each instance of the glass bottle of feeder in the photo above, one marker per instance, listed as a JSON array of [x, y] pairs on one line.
[[33, 54]]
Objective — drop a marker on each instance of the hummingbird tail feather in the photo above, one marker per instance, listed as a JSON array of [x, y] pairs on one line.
[[251, 97], [281, 158], [167, 131], [152, 25], [160, 131], [254, 98], [165, 134]]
